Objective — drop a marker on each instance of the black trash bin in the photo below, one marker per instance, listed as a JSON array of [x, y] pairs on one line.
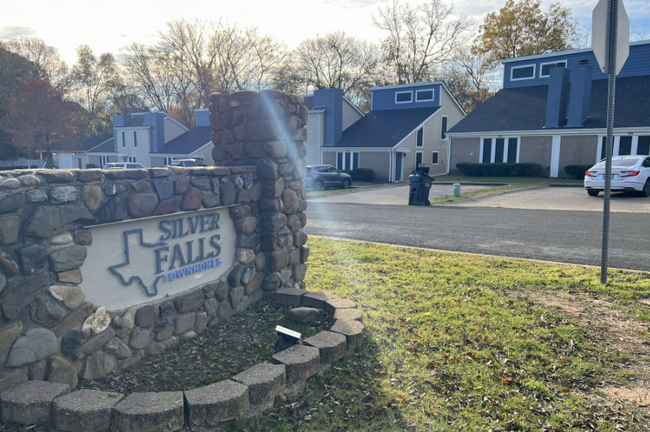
[[419, 186]]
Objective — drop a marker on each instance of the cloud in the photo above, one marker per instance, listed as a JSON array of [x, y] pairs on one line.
[[12, 32]]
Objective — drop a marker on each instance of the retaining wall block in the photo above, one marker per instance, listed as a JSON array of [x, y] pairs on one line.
[[217, 403], [150, 412], [331, 346], [265, 381], [354, 332], [289, 296], [31, 402], [85, 411], [332, 305]]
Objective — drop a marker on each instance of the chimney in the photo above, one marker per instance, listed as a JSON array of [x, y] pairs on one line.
[[580, 95], [157, 129], [332, 100], [201, 116], [558, 96]]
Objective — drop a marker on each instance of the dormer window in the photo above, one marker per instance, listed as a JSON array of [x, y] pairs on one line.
[[545, 68], [123, 139], [522, 72], [403, 97], [424, 95], [135, 139]]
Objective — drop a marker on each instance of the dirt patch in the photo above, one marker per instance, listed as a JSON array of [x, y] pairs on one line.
[[618, 330], [638, 395]]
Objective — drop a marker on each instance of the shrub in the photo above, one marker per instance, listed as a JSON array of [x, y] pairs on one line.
[[361, 174], [500, 169], [576, 171]]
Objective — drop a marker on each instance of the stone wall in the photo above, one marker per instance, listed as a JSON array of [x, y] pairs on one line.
[[48, 331]]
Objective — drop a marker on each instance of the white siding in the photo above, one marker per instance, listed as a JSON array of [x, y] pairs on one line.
[[141, 152], [205, 153], [315, 136], [172, 129], [350, 115]]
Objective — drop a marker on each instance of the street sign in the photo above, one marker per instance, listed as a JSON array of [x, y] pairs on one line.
[[599, 31], [610, 42]]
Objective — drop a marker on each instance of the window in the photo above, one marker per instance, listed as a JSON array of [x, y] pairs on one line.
[[545, 68], [103, 160], [123, 139], [347, 160], [135, 139], [420, 137], [418, 159], [424, 95], [522, 72], [403, 97], [167, 160], [499, 150], [130, 159], [625, 146], [434, 158], [443, 128], [643, 146]]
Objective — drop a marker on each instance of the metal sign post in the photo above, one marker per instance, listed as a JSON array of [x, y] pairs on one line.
[[606, 54]]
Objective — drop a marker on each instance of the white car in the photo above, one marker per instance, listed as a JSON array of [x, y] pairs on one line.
[[130, 165], [629, 173]]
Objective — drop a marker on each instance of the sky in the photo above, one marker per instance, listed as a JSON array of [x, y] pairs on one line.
[[109, 26]]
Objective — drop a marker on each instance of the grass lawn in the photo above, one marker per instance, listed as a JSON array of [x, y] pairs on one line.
[[537, 180], [514, 183], [355, 184], [465, 342]]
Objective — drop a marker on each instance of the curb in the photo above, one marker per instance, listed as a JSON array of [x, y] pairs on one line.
[[244, 395]]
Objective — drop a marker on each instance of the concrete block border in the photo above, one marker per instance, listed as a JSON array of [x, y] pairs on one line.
[[245, 395]]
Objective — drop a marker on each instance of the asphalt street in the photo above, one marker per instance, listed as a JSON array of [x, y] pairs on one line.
[[554, 235]]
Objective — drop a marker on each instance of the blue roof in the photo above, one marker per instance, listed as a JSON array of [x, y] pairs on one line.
[[77, 144], [524, 108], [105, 147], [188, 142], [384, 128]]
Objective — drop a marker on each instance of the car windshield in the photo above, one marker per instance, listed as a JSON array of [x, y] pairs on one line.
[[625, 162]]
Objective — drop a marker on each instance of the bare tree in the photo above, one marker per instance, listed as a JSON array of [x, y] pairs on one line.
[[146, 71], [194, 59], [45, 58], [419, 37], [470, 78], [335, 60], [640, 33]]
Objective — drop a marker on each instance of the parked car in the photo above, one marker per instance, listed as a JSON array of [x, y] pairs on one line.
[[629, 173], [122, 165], [188, 162], [321, 177]]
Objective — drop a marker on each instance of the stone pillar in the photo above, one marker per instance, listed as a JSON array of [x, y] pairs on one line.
[[267, 130]]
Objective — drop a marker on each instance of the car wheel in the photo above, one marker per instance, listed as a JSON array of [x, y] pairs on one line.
[[318, 185], [346, 184], [592, 192], [646, 188]]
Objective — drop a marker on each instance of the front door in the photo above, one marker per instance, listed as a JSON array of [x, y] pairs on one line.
[[399, 166]]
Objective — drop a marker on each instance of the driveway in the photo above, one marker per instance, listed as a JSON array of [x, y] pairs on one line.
[[392, 195], [558, 198]]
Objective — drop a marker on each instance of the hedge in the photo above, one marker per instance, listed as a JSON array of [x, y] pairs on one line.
[[500, 169], [361, 174], [576, 171]]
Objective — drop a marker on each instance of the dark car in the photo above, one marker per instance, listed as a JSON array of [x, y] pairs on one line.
[[321, 177]]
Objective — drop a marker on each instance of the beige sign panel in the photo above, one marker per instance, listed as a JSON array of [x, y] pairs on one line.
[[136, 262]]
